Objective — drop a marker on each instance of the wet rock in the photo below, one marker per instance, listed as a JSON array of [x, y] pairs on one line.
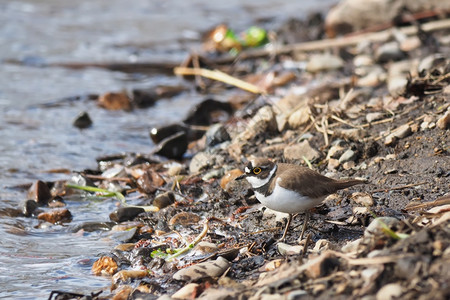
[[115, 101], [125, 214], [216, 134], [444, 121], [123, 236], [30, 208], [57, 202], [389, 52], [164, 200], [324, 62], [389, 292], [189, 291], [105, 265], [208, 112], [127, 275], [208, 269], [125, 247], [348, 155], [362, 198], [123, 292], [40, 192], [300, 150], [157, 134], [173, 146], [82, 120], [143, 98], [93, 226], [184, 219], [286, 249], [56, 216], [150, 181]]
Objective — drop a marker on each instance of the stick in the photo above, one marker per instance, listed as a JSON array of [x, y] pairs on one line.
[[220, 76], [400, 187]]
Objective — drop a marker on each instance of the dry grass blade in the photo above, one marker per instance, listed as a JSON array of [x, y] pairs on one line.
[[220, 76]]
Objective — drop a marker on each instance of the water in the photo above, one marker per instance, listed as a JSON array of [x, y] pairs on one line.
[[35, 138]]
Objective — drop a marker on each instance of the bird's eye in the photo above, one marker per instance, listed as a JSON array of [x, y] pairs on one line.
[[256, 170]]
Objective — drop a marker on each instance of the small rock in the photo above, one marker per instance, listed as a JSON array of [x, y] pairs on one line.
[[206, 248], [333, 164], [184, 219], [40, 193], [56, 216], [157, 134], [105, 265], [389, 292], [286, 249], [300, 150], [125, 247], [123, 292], [164, 200], [362, 198], [189, 291], [389, 52], [444, 121], [370, 117], [349, 165], [324, 62], [375, 227], [123, 236], [348, 155], [430, 62], [263, 121], [115, 101], [399, 133], [216, 134], [144, 98], [351, 246], [322, 265], [173, 146], [203, 270], [150, 181], [126, 275], [125, 214], [299, 117], [82, 120]]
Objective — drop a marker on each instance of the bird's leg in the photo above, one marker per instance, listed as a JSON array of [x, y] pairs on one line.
[[286, 228], [305, 224]]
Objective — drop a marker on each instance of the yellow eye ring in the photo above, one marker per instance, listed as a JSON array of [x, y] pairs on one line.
[[256, 170]]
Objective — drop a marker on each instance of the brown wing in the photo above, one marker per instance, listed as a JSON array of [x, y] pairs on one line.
[[310, 183]]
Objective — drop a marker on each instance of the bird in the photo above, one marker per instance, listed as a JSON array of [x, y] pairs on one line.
[[290, 188]]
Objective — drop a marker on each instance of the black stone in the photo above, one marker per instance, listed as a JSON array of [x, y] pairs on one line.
[[125, 214], [82, 121], [204, 113], [173, 147]]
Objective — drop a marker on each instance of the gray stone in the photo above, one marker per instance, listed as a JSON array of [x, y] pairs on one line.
[[201, 161], [286, 249], [203, 270], [216, 134], [389, 52], [348, 155]]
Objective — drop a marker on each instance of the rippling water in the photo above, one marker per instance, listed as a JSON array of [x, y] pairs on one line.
[[36, 137]]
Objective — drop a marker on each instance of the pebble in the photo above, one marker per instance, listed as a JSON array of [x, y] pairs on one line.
[[157, 134], [375, 227], [82, 121], [122, 293], [150, 181], [123, 236], [208, 112], [348, 155], [389, 292], [125, 213], [126, 275], [349, 165], [322, 265], [115, 101], [206, 247], [324, 62], [333, 164], [263, 121], [216, 134], [300, 150], [29, 208], [56, 216], [40, 193], [203, 270], [184, 219], [299, 117], [389, 52], [351, 246], [164, 200], [444, 121], [399, 133], [374, 116], [187, 292], [362, 198], [105, 265], [286, 249]]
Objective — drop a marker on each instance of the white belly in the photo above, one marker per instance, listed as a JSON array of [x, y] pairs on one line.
[[287, 201]]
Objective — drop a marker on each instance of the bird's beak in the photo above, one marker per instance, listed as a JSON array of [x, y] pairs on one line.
[[241, 177]]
